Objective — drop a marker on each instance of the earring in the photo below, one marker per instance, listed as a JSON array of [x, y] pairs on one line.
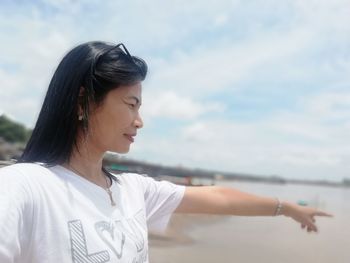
[[80, 117]]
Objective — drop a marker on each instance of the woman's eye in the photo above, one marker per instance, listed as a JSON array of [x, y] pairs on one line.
[[132, 105]]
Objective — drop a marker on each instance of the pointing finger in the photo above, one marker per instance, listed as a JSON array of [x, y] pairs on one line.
[[321, 213]]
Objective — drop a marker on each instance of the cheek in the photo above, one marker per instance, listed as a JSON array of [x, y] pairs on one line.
[[123, 118], [111, 119], [114, 122]]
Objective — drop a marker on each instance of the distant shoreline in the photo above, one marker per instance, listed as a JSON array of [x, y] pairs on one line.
[[160, 171], [176, 174]]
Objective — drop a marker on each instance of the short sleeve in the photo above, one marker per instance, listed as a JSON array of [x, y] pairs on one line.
[[161, 199], [15, 208]]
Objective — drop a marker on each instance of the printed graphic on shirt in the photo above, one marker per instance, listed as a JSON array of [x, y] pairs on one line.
[[114, 234], [79, 248]]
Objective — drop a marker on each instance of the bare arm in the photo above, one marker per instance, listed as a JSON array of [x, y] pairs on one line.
[[230, 201]]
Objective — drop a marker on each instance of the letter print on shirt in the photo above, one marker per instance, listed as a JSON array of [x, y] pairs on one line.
[[111, 234], [134, 230], [114, 234], [79, 248]]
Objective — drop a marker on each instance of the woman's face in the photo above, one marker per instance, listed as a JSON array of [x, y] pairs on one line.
[[114, 123]]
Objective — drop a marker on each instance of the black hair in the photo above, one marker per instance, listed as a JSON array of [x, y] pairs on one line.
[[97, 67]]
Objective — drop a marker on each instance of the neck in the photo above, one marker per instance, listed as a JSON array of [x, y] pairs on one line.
[[87, 162]]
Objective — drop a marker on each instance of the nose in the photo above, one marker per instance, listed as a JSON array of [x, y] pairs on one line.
[[138, 121]]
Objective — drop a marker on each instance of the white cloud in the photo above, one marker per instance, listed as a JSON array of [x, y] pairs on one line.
[[330, 105], [198, 132], [222, 67], [221, 20], [290, 144], [197, 49], [172, 105]]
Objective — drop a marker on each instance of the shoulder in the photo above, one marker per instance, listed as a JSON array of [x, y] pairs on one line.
[[135, 181], [148, 183], [23, 168], [131, 178], [21, 171], [16, 183]]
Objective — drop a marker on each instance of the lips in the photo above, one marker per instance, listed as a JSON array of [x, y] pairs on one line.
[[130, 137]]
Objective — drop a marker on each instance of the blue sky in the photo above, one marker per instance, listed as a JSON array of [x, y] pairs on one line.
[[259, 87]]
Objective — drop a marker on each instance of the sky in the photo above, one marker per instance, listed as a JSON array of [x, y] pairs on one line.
[[257, 87]]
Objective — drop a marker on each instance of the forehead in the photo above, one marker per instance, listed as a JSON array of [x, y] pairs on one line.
[[127, 91]]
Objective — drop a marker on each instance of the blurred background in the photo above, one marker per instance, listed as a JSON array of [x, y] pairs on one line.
[[250, 94]]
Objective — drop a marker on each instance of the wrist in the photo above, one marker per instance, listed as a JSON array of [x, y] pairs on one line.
[[287, 209], [279, 206]]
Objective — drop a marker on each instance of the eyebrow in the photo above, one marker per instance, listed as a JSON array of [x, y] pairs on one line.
[[135, 98]]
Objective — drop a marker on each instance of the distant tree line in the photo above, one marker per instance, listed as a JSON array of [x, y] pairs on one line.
[[13, 132]]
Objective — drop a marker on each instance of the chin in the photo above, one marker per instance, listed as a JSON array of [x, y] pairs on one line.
[[122, 151]]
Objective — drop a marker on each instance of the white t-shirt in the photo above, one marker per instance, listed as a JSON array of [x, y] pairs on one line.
[[54, 215]]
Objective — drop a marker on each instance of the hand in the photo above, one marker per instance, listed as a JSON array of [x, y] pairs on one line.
[[304, 215]]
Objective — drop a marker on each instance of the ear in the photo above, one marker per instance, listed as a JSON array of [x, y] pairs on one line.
[[81, 91], [80, 101]]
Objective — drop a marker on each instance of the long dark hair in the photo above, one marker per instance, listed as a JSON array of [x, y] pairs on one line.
[[96, 66]]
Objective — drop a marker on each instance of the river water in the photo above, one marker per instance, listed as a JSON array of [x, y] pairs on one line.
[[208, 239]]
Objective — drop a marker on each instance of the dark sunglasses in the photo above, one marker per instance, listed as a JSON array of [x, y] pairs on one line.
[[125, 50], [122, 47]]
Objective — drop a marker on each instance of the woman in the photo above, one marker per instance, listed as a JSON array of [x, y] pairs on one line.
[[59, 204]]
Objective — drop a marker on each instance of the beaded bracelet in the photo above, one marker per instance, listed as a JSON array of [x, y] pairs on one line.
[[278, 208]]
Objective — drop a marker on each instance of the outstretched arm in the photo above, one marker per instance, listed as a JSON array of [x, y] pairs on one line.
[[230, 201]]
